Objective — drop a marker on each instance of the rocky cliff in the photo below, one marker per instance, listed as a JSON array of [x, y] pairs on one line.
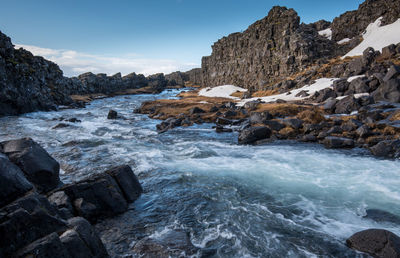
[[278, 46], [268, 51], [30, 83]]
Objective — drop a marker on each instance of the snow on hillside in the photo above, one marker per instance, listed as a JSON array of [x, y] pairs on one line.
[[310, 89], [327, 33], [378, 37], [224, 91]]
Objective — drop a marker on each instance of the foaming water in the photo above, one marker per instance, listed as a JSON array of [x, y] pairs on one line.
[[277, 200]]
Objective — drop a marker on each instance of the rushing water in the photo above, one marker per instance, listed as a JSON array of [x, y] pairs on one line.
[[278, 200]]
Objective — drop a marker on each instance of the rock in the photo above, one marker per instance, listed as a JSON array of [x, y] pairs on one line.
[[74, 245], [330, 104], [221, 129], [302, 94], [376, 242], [270, 50], [214, 109], [340, 85], [39, 167], [229, 114], [333, 142], [363, 131], [223, 121], [61, 200], [309, 138], [60, 126], [112, 114], [253, 134], [351, 125], [358, 85], [251, 105], [274, 125], [346, 105], [74, 120], [168, 124], [388, 91], [196, 110], [48, 246], [382, 216], [293, 122], [388, 51], [335, 130], [393, 73], [97, 197], [388, 148], [259, 117], [13, 183], [127, 181], [322, 95], [88, 235], [174, 243]]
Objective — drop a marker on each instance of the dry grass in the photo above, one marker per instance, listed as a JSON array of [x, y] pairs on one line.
[[312, 116], [264, 93], [189, 94], [288, 132], [396, 116], [87, 97], [238, 94], [282, 109]]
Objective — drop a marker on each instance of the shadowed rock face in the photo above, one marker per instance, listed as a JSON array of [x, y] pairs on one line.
[[353, 23], [268, 51]]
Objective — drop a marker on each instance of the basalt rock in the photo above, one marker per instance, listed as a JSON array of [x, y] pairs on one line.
[[376, 242], [268, 51], [253, 134]]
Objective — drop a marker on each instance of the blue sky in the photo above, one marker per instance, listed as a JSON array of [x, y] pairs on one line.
[[143, 36]]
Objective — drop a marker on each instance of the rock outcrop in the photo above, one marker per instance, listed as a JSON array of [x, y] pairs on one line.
[[351, 24], [55, 224], [269, 51]]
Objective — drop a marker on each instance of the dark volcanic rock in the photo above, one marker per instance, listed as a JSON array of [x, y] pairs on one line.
[[196, 110], [253, 134], [388, 91], [13, 183], [376, 242], [346, 105], [353, 23], [389, 148], [333, 142], [268, 51], [39, 167], [112, 114], [48, 246], [127, 181]]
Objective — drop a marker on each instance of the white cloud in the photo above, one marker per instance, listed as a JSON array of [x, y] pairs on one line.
[[74, 63]]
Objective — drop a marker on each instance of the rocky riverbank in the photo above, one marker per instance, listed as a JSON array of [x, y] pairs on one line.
[[41, 217]]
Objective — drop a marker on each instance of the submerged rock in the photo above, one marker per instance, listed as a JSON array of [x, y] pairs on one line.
[[333, 142]]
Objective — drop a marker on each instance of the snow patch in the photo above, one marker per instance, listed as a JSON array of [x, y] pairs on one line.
[[327, 33], [352, 78], [224, 91], [343, 41], [377, 37], [319, 84]]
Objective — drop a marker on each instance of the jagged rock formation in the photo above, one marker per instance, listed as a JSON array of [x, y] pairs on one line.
[[270, 50], [351, 24], [30, 83], [193, 77], [55, 224]]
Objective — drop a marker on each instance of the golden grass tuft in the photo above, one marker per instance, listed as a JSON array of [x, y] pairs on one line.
[[283, 109], [312, 116], [396, 116], [264, 93], [238, 94]]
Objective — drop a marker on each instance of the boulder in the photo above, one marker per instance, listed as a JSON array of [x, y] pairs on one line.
[[13, 183], [196, 110], [274, 125], [48, 246], [39, 167], [322, 95], [88, 235], [388, 148], [332, 142], [293, 122], [363, 131], [259, 117], [97, 197], [74, 245], [358, 85], [388, 51], [223, 121], [346, 105], [330, 104], [393, 73], [382, 216], [127, 181], [112, 114], [376, 242], [340, 85], [253, 134], [388, 91]]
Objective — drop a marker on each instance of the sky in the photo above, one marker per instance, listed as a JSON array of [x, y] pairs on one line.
[[146, 36]]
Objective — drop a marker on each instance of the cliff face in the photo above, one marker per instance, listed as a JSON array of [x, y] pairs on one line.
[[352, 24], [268, 51], [28, 82]]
